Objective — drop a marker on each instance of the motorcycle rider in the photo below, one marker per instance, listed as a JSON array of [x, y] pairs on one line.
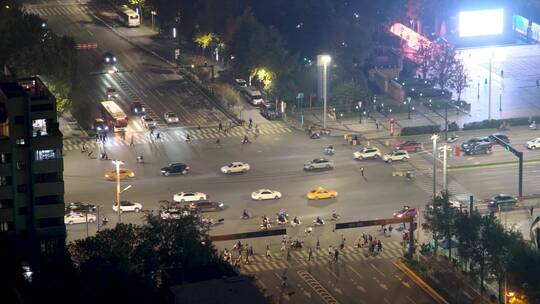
[[319, 220], [245, 215], [296, 221], [334, 214]]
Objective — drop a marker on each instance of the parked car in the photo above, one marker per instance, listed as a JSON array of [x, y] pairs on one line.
[[474, 141], [235, 167], [503, 200], [265, 194], [78, 218], [171, 118], [410, 145], [175, 168], [369, 152], [319, 163], [181, 197], [396, 155], [127, 206], [533, 143], [137, 108], [501, 136], [407, 211], [479, 148], [240, 83], [207, 206]]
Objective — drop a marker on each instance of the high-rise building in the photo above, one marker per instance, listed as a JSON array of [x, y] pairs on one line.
[[31, 168]]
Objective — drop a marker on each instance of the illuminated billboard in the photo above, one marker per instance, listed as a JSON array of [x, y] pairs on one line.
[[535, 32], [481, 23], [520, 24]]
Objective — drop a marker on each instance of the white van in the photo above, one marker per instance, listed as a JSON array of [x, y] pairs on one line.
[[253, 95]]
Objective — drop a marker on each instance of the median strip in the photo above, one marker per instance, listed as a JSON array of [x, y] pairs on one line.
[[421, 283], [487, 165]]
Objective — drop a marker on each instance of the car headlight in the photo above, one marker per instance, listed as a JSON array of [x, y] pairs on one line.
[[143, 109], [114, 59], [136, 111], [107, 59], [221, 205], [99, 128], [106, 128]]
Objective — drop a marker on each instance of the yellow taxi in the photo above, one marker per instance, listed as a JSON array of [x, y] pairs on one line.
[[124, 174], [320, 192]]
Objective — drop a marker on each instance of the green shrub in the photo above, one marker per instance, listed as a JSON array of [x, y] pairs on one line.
[[453, 127], [430, 129], [495, 123]]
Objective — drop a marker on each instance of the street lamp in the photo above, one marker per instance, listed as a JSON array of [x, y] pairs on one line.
[[500, 99], [117, 164], [359, 108], [489, 87], [434, 138], [324, 60], [409, 103], [153, 13]]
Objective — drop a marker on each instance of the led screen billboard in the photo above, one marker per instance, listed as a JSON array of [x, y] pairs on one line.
[[535, 32], [520, 24], [481, 23]]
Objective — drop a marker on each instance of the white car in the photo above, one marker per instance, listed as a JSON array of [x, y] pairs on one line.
[[148, 122], [170, 117], [181, 197], [368, 152], [78, 218], [235, 167], [127, 206], [533, 143], [396, 155], [265, 194]]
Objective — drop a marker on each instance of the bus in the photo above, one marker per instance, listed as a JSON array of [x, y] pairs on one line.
[[128, 17], [113, 116]]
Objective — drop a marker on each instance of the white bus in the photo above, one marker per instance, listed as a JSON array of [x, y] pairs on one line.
[[253, 95], [128, 17], [114, 116]]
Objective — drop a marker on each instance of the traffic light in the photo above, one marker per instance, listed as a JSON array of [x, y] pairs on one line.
[[305, 59]]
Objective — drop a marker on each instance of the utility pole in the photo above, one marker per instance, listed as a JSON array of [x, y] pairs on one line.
[[434, 138]]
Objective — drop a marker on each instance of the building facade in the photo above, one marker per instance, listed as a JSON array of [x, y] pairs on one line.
[[31, 168]]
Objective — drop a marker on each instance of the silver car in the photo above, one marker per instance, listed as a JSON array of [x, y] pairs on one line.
[[319, 163]]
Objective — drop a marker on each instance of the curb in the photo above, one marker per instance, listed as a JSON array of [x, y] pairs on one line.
[[413, 276], [496, 164]]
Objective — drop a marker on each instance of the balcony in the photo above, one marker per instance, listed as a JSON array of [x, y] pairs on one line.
[[53, 210], [6, 215], [5, 169], [6, 192], [52, 188], [46, 166], [46, 142]]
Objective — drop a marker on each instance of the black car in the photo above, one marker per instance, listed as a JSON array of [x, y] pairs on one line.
[[500, 136], [206, 206], [81, 207], [137, 108], [479, 148], [175, 168], [474, 141], [109, 58], [100, 126], [502, 200]]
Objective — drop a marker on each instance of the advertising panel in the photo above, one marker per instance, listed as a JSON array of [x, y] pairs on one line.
[[535, 32], [520, 24], [481, 23]]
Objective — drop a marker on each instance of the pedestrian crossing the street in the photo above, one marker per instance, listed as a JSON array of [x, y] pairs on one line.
[[300, 258], [57, 10], [178, 135]]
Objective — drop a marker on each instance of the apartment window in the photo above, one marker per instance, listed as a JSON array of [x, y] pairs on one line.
[[50, 222], [39, 127], [21, 165], [19, 120], [5, 181], [48, 200], [6, 203], [42, 107], [47, 154], [47, 178], [23, 211], [5, 158], [6, 226], [20, 142], [22, 188]]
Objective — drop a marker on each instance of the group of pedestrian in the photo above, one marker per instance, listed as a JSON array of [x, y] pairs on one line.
[[333, 253], [372, 243], [243, 254], [101, 137]]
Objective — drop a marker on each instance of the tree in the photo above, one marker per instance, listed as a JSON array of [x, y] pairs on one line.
[[459, 80], [204, 40], [424, 58], [467, 230], [443, 64], [350, 92], [440, 218]]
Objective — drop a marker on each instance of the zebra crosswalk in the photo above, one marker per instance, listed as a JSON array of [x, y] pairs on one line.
[[57, 10], [299, 258], [178, 135]]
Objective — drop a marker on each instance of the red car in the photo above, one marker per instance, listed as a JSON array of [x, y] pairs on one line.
[[406, 212], [410, 145]]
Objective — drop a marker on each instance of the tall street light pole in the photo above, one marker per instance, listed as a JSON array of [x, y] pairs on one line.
[[489, 86], [434, 138], [445, 169], [324, 60], [153, 13], [117, 163], [500, 99]]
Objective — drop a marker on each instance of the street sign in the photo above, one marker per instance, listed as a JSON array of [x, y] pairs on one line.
[[300, 95], [176, 53], [248, 235]]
